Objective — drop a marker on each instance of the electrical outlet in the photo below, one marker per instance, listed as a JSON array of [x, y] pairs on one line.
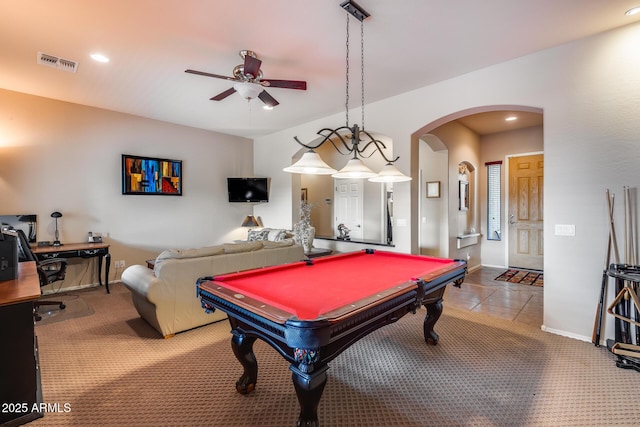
[[119, 263]]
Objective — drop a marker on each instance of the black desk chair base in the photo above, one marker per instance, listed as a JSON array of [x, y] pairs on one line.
[[38, 304]]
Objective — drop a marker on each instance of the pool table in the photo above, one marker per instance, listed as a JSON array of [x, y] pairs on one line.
[[311, 311]]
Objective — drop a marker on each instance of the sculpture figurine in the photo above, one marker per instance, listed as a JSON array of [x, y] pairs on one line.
[[344, 232]]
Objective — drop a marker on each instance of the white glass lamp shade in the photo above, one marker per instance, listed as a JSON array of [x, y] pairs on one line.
[[355, 169], [248, 90], [390, 173], [311, 164]]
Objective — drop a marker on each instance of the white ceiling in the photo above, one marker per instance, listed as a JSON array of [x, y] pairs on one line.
[[408, 44]]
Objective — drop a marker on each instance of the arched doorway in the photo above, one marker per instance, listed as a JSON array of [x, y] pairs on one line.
[[454, 135]]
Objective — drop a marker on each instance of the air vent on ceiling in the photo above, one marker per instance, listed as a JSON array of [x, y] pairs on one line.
[[55, 62]]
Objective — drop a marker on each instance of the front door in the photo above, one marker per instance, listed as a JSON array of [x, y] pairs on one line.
[[526, 222], [348, 206]]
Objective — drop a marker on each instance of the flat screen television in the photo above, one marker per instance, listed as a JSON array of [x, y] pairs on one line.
[[248, 190]]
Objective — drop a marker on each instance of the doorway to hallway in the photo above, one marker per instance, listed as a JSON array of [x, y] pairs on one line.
[[525, 212]]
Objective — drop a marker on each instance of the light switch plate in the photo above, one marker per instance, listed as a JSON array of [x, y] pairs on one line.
[[565, 230]]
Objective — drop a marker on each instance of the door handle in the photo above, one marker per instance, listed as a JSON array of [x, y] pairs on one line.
[[511, 221]]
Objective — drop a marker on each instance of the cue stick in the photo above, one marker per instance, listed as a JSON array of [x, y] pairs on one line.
[[634, 289], [633, 248], [629, 260], [597, 329], [632, 228], [623, 334], [624, 213], [616, 255], [612, 228]]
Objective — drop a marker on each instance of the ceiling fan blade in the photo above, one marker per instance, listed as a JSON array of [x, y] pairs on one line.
[[286, 84], [223, 95], [252, 65], [202, 73], [268, 99]]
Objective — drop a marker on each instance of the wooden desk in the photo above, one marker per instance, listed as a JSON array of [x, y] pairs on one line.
[[19, 369], [25, 288], [79, 250]]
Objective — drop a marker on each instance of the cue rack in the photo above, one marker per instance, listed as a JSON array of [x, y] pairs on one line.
[[625, 307]]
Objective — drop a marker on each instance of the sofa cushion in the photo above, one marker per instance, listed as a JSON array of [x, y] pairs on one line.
[[234, 248], [190, 253], [278, 244]]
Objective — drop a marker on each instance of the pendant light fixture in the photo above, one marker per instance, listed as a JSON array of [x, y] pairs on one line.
[[349, 140]]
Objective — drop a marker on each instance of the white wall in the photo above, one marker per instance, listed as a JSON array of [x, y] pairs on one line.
[[588, 91], [434, 212], [57, 156], [463, 146]]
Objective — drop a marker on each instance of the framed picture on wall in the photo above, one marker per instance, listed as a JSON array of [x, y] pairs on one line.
[[433, 189], [151, 176]]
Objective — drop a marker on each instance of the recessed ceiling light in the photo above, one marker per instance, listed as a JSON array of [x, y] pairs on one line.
[[268, 107], [633, 11], [99, 57], [511, 119]]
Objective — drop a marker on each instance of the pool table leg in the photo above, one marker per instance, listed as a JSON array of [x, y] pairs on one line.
[[434, 311], [242, 346], [433, 303], [309, 387]]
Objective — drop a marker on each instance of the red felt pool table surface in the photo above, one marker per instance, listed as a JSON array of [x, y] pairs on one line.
[[308, 291]]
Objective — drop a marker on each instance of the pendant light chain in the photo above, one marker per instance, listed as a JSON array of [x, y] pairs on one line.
[[346, 105], [347, 139], [362, 66]]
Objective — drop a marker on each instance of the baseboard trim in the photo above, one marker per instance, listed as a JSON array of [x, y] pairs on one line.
[[566, 334], [474, 268]]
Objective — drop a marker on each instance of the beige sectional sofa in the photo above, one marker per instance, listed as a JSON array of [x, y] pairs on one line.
[[166, 296]]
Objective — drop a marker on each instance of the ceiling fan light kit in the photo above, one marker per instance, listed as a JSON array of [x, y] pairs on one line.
[[249, 80], [248, 90], [353, 140]]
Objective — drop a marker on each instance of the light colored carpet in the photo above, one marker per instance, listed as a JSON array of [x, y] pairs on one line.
[[113, 369]]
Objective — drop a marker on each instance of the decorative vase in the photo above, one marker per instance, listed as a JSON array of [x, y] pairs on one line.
[[308, 239]]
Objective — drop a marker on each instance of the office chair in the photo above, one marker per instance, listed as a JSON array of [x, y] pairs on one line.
[[49, 270]]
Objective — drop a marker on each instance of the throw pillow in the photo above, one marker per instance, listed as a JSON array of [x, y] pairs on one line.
[[276, 234], [254, 235]]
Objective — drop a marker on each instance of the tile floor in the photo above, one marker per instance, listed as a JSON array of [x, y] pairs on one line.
[[509, 301]]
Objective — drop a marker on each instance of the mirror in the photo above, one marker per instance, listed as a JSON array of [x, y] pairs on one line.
[[464, 196], [364, 207]]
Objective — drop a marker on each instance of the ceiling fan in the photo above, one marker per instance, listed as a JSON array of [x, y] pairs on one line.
[[249, 81]]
